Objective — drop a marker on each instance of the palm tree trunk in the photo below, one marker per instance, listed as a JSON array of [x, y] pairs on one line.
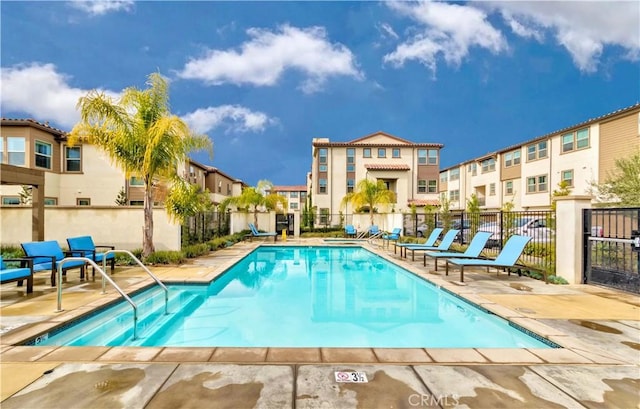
[[147, 238], [255, 216]]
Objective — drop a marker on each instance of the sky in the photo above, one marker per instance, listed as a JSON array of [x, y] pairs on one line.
[[262, 79]]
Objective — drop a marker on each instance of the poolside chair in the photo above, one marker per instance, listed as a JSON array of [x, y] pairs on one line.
[[256, 233], [431, 240], [444, 245], [350, 231], [374, 231], [19, 274], [476, 246], [506, 259], [393, 236], [47, 255], [87, 246]]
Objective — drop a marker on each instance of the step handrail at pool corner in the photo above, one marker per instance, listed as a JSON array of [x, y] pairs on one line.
[[104, 276], [156, 279]]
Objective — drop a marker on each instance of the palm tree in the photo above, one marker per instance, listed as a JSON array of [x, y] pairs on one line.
[[141, 136], [370, 193], [254, 199]]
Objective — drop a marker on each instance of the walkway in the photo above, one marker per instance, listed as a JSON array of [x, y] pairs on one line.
[[599, 366]]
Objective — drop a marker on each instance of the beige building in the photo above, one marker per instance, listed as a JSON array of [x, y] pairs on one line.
[[408, 169], [526, 174], [296, 196]]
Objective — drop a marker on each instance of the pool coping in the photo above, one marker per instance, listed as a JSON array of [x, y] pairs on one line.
[[572, 351]]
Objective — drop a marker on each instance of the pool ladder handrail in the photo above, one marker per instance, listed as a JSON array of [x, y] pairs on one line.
[[104, 276], [156, 279]]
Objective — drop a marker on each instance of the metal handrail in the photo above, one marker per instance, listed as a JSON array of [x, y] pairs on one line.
[[104, 277], [156, 279]]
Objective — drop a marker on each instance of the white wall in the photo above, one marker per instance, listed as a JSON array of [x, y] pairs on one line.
[[118, 226]]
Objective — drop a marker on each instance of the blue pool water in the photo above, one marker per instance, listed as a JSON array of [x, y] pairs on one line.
[[302, 297]]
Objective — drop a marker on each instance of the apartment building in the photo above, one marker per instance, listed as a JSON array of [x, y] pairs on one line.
[[82, 175], [296, 195], [409, 169], [526, 174]]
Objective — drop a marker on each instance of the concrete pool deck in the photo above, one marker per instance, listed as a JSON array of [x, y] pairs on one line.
[[598, 366]]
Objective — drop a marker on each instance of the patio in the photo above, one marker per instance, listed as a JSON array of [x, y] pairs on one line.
[[598, 366]]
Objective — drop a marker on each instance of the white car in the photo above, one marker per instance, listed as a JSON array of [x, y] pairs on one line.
[[536, 228]]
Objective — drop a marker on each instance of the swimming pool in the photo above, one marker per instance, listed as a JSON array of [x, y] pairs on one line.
[[288, 296]]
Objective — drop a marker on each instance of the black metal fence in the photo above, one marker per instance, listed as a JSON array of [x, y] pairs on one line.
[[610, 257], [204, 227], [539, 225]]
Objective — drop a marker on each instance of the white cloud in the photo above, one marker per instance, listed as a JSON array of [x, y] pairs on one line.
[[40, 91], [100, 7], [522, 27], [583, 28], [387, 31], [263, 60], [234, 118], [447, 31]]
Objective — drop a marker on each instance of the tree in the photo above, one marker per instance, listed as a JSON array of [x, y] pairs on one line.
[[473, 208], [26, 194], [121, 199], [141, 136], [370, 194], [253, 199], [186, 200], [622, 186], [563, 190]]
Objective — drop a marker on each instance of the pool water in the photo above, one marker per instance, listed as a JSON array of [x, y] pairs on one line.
[[282, 296]]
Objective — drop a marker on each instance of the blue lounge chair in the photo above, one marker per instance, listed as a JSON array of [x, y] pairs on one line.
[[444, 245], [431, 240], [507, 258], [86, 245], [24, 272], [393, 236], [256, 233], [476, 246], [47, 255], [374, 231], [350, 231]]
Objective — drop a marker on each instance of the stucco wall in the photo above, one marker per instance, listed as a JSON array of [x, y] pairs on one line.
[[118, 226]]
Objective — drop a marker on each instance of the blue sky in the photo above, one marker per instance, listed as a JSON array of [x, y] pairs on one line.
[[264, 78]]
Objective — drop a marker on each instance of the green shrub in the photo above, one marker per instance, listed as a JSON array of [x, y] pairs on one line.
[[557, 280], [123, 259], [11, 251], [195, 250], [165, 257], [219, 243]]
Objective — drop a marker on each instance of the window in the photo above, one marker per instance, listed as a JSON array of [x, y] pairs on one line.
[[322, 155], [83, 201], [432, 186], [395, 152], [228, 190], [492, 189], [72, 159], [136, 181], [303, 195], [382, 153], [427, 186], [537, 150], [351, 156], [454, 174], [508, 187], [454, 195], [294, 195], [472, 168], [575, 140], [567, 176], [50, 201], [427, 156], [324, 215], [323, 185], [15, 151], [10, 200], [350, 185], [512, 158], [366, 153], [488, 165], [43, 155], [422, 186], [351, 168], [293, 205], [136, 202], [444, 177], [283, 194], [322, 168], [537, 184]]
